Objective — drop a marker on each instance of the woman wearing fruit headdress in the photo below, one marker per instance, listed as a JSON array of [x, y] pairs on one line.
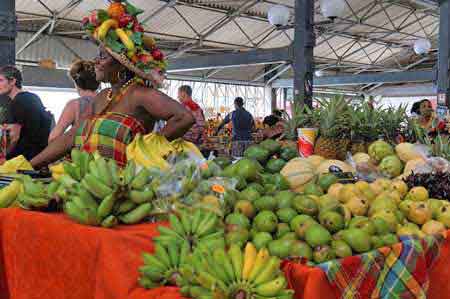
[[134, 67]]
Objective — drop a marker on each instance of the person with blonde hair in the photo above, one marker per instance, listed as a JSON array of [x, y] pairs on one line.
[[83, 75]]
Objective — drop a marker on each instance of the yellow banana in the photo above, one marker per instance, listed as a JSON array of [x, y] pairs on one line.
[[125, 39], [104, 28], [249, 260], [9, 194], [260, 262], [271, 288]]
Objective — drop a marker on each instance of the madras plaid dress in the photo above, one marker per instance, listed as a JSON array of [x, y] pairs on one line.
[[109, 135]]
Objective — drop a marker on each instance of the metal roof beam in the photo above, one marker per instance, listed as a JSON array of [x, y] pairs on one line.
[[253, 57], [382, 77]]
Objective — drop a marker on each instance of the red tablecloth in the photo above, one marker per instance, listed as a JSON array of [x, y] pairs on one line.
[[48, 256]]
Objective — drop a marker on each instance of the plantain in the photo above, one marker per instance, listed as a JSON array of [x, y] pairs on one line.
[[34, 189], [104, 172], [95, 187], [139, 197], [110, 221], [141, 179], [223, 261], [52, 188], [106, 206], [72, 170], [162, 254], [129, 172], [137, 214], [125, 206], [268, 272], [174, 254], [176, 225], [271, 288], [236, 258]]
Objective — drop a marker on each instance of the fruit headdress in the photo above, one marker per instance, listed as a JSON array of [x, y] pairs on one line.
[[120, 32]]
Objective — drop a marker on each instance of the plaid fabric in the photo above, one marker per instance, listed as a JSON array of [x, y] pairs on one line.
[[108, 134], [400, 271], [238, 147]]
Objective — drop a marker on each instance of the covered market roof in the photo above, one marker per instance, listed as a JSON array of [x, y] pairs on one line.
[[374, 35]]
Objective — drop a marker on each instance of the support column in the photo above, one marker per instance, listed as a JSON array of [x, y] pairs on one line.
[[443, 81], [273, 99], [8, 32], [303, 47]]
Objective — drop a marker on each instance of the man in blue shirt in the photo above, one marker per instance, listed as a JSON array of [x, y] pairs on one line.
[[243, 125]]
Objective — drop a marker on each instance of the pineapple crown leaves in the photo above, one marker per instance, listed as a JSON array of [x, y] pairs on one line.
[[302, 117], [393, 121], [335, 117], [365, 123]]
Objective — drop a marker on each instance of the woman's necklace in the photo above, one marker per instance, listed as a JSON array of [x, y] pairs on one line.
[[122, 91]]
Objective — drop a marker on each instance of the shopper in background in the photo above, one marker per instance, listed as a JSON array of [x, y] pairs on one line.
[[275, 125], [273, 119], [243, 126], [415, 109], [83, 76], [197, 132], [427, 118], [33, 121]]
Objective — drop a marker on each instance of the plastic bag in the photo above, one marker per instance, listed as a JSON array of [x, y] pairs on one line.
[[15, 164]]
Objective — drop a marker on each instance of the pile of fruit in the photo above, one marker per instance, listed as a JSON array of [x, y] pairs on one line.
[[330, 220], [192, 254]]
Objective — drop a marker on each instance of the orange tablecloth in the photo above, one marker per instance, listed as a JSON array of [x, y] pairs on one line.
[[48, 256]]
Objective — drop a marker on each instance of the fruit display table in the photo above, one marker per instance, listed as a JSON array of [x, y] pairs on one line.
[[425, 277], [48, 256]]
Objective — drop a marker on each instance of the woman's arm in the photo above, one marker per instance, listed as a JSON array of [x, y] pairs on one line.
[[67, 119], [56, 150], [161, 106]]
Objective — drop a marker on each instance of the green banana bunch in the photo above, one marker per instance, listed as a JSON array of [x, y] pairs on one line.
[[202, 229], [36, 195], [95, 191], [233, 274], [162, 268]]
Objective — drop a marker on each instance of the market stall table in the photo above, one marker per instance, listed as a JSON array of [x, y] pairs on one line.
[[48, 256]]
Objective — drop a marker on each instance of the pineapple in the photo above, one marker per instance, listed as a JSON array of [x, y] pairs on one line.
[[365, 127], [393, 122], [334, 131]]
